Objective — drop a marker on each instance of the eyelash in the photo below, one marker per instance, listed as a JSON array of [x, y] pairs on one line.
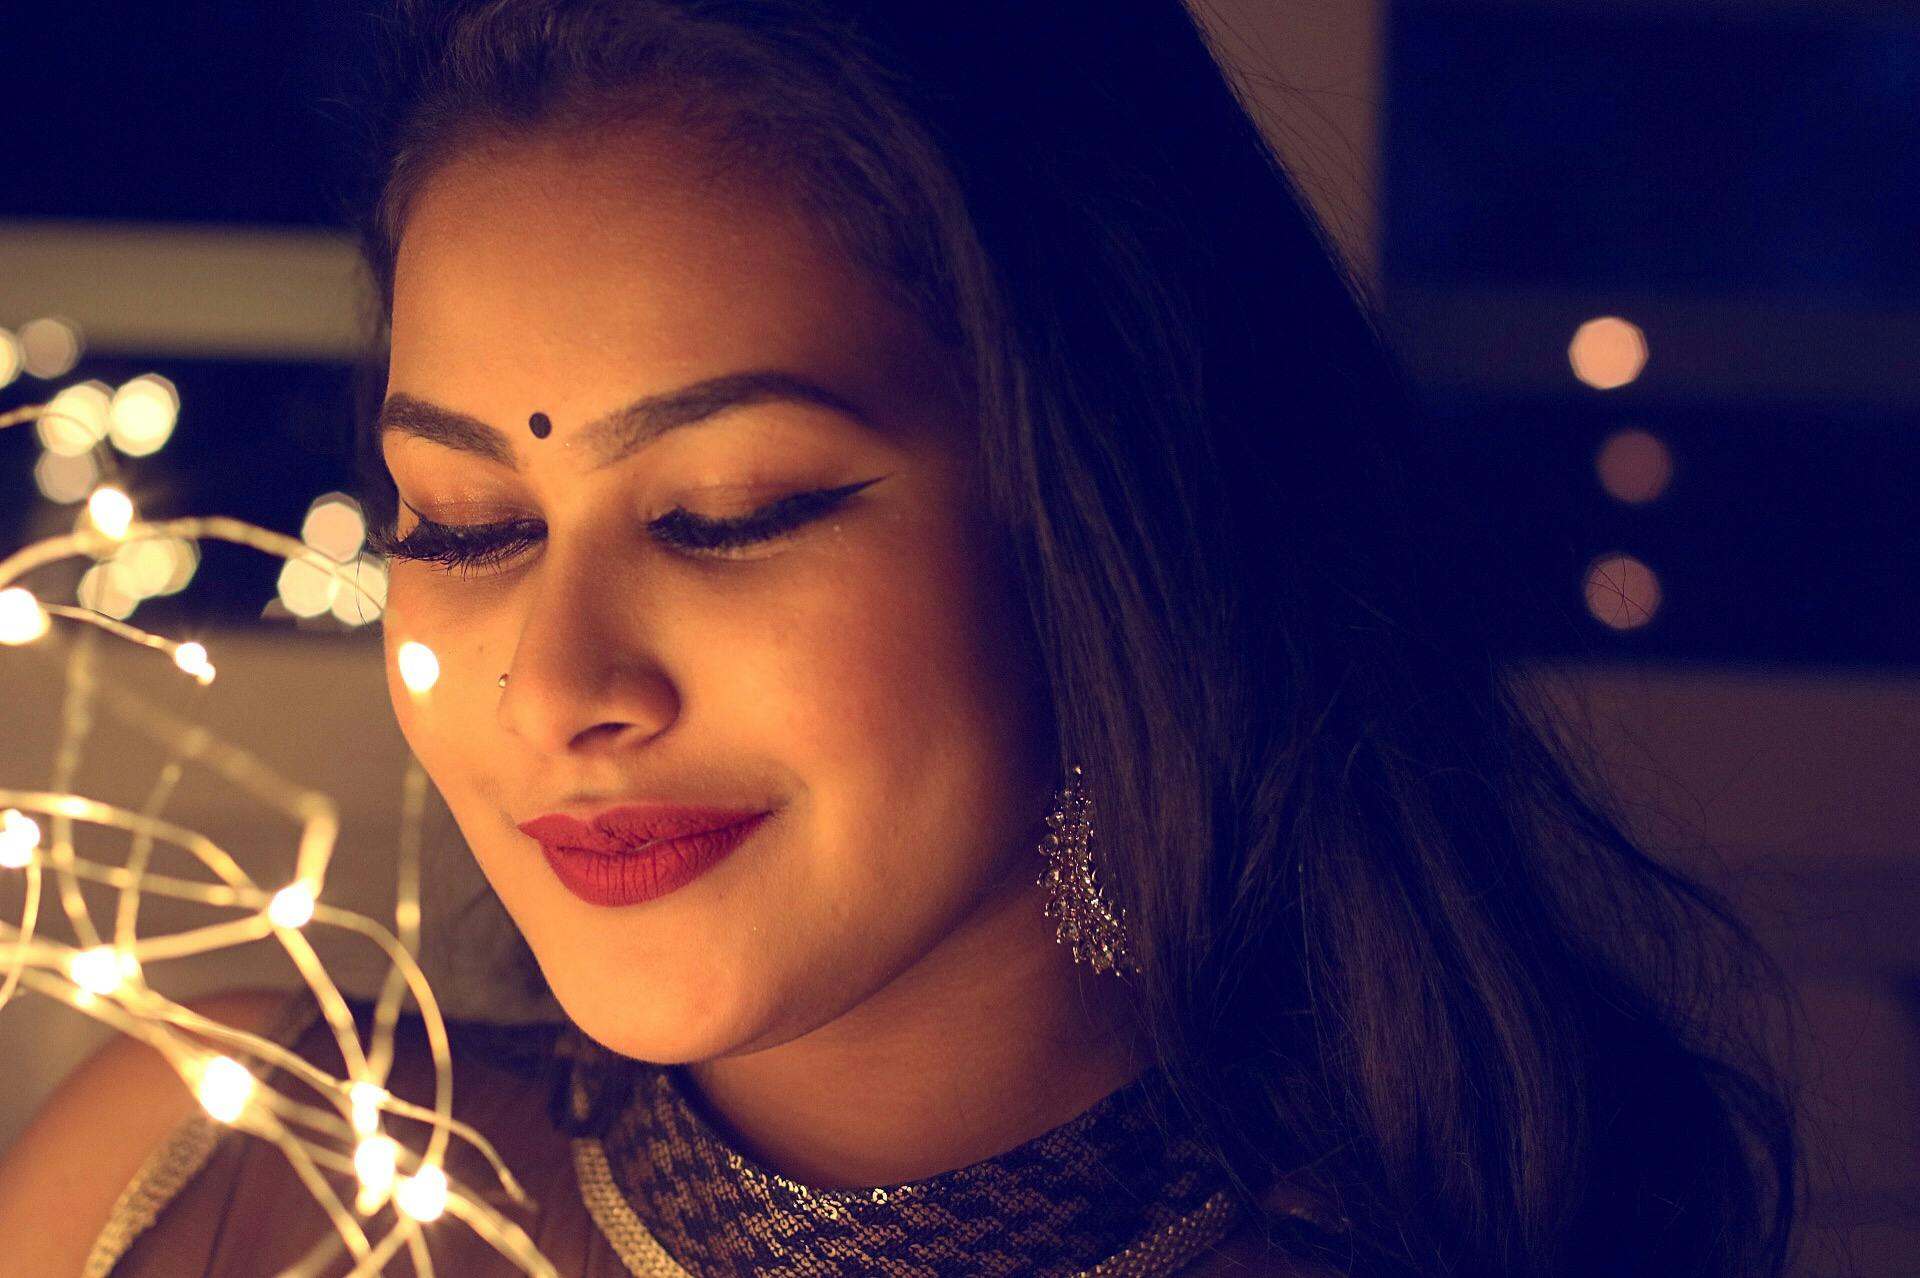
[[466, 547]]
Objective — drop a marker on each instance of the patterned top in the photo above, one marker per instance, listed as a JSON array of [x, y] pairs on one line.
[[632, 1180]]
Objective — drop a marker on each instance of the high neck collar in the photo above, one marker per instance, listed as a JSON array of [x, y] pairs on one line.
[[1106, 1190]]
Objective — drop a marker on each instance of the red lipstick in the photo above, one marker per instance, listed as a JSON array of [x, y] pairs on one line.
[[627, 855]]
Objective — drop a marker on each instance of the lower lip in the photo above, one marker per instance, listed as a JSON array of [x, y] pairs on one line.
[[628, 878]]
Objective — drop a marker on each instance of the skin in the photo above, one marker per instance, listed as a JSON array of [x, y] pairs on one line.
[[867, 991]]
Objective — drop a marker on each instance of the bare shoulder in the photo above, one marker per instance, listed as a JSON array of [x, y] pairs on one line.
[[59, 1182]]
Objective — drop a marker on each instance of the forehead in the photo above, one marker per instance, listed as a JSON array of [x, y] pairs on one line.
[[618, 247]]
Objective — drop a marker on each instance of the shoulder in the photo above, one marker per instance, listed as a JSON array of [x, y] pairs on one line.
[[61, 1179]]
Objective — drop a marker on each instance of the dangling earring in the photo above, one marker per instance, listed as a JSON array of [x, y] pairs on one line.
[[1089, 926]]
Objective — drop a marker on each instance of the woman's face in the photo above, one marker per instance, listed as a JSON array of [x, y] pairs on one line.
[[863, 676]]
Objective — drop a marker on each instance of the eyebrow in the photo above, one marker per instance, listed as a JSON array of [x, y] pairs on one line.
[[623, 432]]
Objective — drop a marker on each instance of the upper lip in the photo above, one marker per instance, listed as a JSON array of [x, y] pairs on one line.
[[631, 826]]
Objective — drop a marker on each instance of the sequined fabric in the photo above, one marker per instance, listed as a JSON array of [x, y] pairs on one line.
[[1106, 1193]]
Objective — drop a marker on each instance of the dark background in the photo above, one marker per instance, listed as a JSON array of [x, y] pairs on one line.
[[1541, 165]]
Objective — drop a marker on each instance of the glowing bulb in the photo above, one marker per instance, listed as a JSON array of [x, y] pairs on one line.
[[19, 836], [111, 511], [375, 1160], [419, 668], [100, 970], [225, 1088], [366, 1098], [192, 658], [422, 1195], [292, 906], [75, 419], [141, 416], [1607, 353], [49, 347], [22, 619], [335, 527], [307, 585]]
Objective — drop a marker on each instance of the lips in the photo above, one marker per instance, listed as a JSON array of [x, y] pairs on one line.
[[627, 855]]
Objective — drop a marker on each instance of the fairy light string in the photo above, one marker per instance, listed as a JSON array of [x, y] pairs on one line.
[[226, 1069]]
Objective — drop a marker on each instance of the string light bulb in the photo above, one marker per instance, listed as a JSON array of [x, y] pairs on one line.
[[22, 619], [226, 1086], [367, 1099], [111, 511], [422, 1195], [375, 1161], [19, 836], [292, 906], [419, 668], [192, 658], [101, 970]]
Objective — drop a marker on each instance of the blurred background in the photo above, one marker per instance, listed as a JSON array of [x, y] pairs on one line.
[[1655, 264]]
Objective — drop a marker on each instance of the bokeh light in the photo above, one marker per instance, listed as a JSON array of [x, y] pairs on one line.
[[142, 414], [110, 510], [103, 590], [1622, 593], [155, 565], [354, 607], [225, 1088], [1634, 466], [419, 668], [335, 527], [50, 347], [66, 479], [19, 837], [1608, 353], [12, 358], [307, 587], [22, 619], [76, 419]]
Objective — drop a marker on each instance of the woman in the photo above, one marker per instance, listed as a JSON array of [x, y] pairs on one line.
[[856, 459]]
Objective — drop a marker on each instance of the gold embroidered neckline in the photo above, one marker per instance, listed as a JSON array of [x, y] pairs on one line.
[[1103, 1194]]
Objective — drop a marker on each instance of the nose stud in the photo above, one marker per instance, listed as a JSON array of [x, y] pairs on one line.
[[503, 679]]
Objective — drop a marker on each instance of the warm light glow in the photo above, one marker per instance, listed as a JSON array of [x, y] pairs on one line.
[[1622, 592], [1634, 466], [367, 1099], [192, 658], [375, 1160], [49, 347], [100, 970], [19, 836], [306, 588], [225, 1088], [22, 619], [12, 359], [111, 511], [66, 479], [103, 589], [422, 1195], [1608, 353], [75, 420], [292, 906], [358, 607], [142, 415], [419, 668], [150, 566], [335, 527]]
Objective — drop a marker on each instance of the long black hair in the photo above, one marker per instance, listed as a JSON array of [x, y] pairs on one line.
[[1395, 945]]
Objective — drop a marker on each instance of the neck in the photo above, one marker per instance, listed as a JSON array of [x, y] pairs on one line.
[[992, 1038]]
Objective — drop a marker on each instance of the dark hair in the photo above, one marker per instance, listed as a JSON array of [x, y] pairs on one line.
[[1395, 944]]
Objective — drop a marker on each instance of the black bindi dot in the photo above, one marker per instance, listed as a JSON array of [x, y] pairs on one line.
[[541, 425]]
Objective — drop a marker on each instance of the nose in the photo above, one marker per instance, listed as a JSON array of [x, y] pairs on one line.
[[585, 677]]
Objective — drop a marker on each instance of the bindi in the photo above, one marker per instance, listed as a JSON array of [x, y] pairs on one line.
[[541, 425]]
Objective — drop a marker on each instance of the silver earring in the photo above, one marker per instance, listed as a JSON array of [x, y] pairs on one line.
[[1088, 924], [503, 680]]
